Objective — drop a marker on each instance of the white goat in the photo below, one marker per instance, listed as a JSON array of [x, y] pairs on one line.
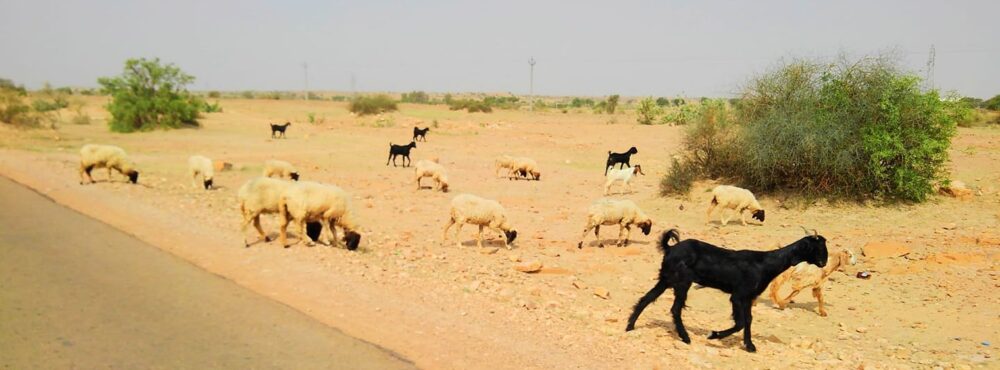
[[625, 175]]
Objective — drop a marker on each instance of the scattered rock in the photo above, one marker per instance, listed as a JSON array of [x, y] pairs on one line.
[[579, 284], [529, 267], [602, 293], [861, 329], [490, 250], [950, 226], [514, 258], [881, 249], [957, 189]]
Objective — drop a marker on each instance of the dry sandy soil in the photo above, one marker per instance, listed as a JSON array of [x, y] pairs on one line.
[[445, 306]]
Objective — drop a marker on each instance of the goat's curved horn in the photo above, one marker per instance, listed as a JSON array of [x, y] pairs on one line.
[[815, 233], [804, 229]]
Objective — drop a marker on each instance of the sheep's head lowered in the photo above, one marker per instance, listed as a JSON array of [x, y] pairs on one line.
[[133, 176], [511, 235], [352, 240], [208, 184], [294, 176], [646, 226], [758, 215]]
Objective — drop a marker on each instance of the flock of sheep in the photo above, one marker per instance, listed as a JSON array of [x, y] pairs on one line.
[[314, 207]]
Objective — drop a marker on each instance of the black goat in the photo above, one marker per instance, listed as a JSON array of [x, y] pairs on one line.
[[744, 274], [420, 133], [620, 159], [403, 150], [279, 129]]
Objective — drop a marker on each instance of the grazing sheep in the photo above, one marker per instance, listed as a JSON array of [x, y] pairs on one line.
[[282, 169], [744, 274], [737, 199], [279, 129], [259, 196], [525, 167], [621, 159], [314, 202], [625, 175], [420, 133], [106, 156], [403, 150], [505, 162], [623, 213], [200, 165], [435, 171], [470, 209], [804, 275]]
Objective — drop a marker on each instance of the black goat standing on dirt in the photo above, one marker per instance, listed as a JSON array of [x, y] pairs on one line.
[[403, 150], [420, 133], [620, 159], [279, 129], [744, 274]]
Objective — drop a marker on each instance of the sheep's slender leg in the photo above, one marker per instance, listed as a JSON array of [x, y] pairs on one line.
[[333, 232], [503, 236], [788, 300], [818, 293], [451, 221], [597, 233], [738, 318], [747, 319], [651, 296], [680, 297], [724, 217], [283, 231], [479, 237], [109, 174], [743, 217], [708, 215], [302, 233], [457, 231]]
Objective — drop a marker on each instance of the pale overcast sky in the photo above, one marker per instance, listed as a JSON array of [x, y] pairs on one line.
[[659, 48]]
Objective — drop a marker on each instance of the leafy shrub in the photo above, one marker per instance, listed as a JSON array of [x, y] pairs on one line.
[[579, 103], [247, 95], [149, 95], [374, 104], [992, 103], [214, 94], [648, 111], [662, 102], [314, 96], [13, 109], [502, 102], [6, 84], [47, 105], [611, 104], [338, 98], [679, 178], [211, 108], [972, 101], [418, 97], [679, 102], [79, 116], [863, 130], [470, 105], [681, 116]]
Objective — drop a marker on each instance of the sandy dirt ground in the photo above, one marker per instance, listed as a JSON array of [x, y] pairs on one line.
[[103, 299], [448, 306]]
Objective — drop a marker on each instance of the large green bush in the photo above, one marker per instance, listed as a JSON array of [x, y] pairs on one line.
[[648, 111], [861, 130], [374, 104], [149, 95], [992, 103]]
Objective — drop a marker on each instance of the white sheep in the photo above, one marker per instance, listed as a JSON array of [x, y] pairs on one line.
[[504, 162], [260, 196], [470, 209], [282, 169], [526, 167], [625, 175], [106, 156], [737, 199], [805, 275], [201, 165], [314, 202], [623, 213], [435, 171]]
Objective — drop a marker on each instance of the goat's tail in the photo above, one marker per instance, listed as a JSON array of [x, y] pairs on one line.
[[668, 235], [609, 152]]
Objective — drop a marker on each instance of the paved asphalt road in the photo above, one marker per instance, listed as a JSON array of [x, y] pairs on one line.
[[76, 293]]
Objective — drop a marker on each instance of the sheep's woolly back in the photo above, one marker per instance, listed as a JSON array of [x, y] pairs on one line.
[[201, 165], [309, 201], [607, 211], [105, 156], [528, 165], [504, 161], [261, 195], [426, 168], [278, 168], [474, 210], [734, 197]]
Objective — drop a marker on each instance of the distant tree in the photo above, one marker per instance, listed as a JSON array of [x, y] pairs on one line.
[[662, 102], [6, 84], [992, 103], [678, 102], [612, 103], [150, 95]]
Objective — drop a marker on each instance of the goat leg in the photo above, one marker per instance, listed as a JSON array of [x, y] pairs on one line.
[[680, 296], [651, 296], [818, 293], [738, 318], [748, 318]]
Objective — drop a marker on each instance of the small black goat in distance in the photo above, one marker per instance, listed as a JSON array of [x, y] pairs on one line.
[[420, 133], [279, 129], [403, 150], [621, 159], [744, 274]]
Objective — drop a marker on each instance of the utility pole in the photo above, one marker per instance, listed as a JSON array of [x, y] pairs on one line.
[[305, 72], [531, 82], [930, 67]]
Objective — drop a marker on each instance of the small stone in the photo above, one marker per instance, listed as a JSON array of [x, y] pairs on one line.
[[861, 329], [514, 258], [490, 250], [529, 267], [950, 226], [602, 293], [579, 284]]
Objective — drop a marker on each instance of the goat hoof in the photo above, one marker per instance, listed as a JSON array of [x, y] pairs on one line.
[[686, 340], [288, 246], [580, 245], [267, 239], [751, 348], [714, 335], [630, 327]]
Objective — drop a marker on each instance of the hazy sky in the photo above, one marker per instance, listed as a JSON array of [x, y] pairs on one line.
[[699, 48]]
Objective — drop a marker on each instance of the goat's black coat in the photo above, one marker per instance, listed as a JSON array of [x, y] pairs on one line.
[[279, 129], [744, 274], [420, 133], [403, 150], [621, 159]]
